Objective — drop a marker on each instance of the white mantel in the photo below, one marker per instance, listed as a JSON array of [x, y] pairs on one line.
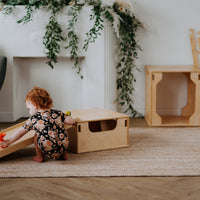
[[22, 45]]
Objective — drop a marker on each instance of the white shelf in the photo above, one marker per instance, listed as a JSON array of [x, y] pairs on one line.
[[44, 57]]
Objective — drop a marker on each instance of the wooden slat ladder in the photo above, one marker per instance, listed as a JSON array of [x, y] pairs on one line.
[[195, 45]]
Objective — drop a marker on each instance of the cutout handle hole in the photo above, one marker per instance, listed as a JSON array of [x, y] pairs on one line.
[[105, 125]]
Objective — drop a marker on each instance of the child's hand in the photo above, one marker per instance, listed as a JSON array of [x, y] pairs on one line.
[[74, 124], [4, 144], [70, 121]]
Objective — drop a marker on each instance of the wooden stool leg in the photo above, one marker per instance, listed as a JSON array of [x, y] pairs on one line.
[[195, 118], [156, 78], [188, 110]]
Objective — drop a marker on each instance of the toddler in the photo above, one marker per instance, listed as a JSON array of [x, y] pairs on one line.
[[48, 124]]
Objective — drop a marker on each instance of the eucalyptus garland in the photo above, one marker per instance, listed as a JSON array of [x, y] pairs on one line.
[[98, 24], [72, 36], [121, 16]]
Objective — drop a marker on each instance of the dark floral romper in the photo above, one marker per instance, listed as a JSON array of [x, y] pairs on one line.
[[49, 127]]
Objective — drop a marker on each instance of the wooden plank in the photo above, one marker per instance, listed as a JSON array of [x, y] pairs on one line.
[[195, 51], [171, 68], [95, 188], [175, 121], [148, 99], [88, 141], [189, 108], [24, 141], [156, 78], [195, 118], [94, 114]]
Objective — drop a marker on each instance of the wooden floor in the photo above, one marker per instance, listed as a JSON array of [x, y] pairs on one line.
[[101, 188]]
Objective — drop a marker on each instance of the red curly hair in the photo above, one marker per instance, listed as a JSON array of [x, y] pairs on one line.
[[40, 98]]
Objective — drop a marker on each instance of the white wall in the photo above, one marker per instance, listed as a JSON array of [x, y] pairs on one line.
[[165, 41], [22, 44]]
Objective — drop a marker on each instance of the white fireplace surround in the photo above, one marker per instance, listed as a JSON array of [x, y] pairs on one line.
[[27, 67]]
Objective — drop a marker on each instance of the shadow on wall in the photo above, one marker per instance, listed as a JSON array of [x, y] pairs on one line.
[[3, 63]]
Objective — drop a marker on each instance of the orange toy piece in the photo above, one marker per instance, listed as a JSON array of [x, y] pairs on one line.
[[2, 135]]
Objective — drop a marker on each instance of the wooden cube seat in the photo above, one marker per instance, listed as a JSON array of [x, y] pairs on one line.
[[98, 129], [190, 115]]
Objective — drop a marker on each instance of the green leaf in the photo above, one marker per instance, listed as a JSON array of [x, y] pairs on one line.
[[127, 45]]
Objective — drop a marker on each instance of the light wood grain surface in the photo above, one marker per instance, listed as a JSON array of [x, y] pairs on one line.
[[171, 68], [24, 141], [189, 114], [93, 114]]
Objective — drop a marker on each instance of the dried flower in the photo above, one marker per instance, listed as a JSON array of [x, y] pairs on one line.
[[72, 3], [1, 6], [116, 20], [124, 6]]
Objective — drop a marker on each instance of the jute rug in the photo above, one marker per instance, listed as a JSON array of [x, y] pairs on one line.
[[152, 152]]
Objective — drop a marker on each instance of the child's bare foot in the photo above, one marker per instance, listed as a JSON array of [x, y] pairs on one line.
[[39, 159], [64, 156]]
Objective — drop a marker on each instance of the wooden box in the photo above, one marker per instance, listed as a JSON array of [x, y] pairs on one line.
[[190, 114], [98, 129]]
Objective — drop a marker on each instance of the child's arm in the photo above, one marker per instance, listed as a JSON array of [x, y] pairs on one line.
[[18, 134], [70, 121]]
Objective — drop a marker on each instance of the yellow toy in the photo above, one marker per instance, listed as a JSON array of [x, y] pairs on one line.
[[68, 113]]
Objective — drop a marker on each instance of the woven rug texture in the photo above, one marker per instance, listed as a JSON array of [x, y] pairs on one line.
[[152, 152]]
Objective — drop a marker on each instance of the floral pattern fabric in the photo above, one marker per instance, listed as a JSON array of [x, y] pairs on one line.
[[49, 127]]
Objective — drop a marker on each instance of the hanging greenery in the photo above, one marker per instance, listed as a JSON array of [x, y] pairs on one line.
[[121, 16]]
